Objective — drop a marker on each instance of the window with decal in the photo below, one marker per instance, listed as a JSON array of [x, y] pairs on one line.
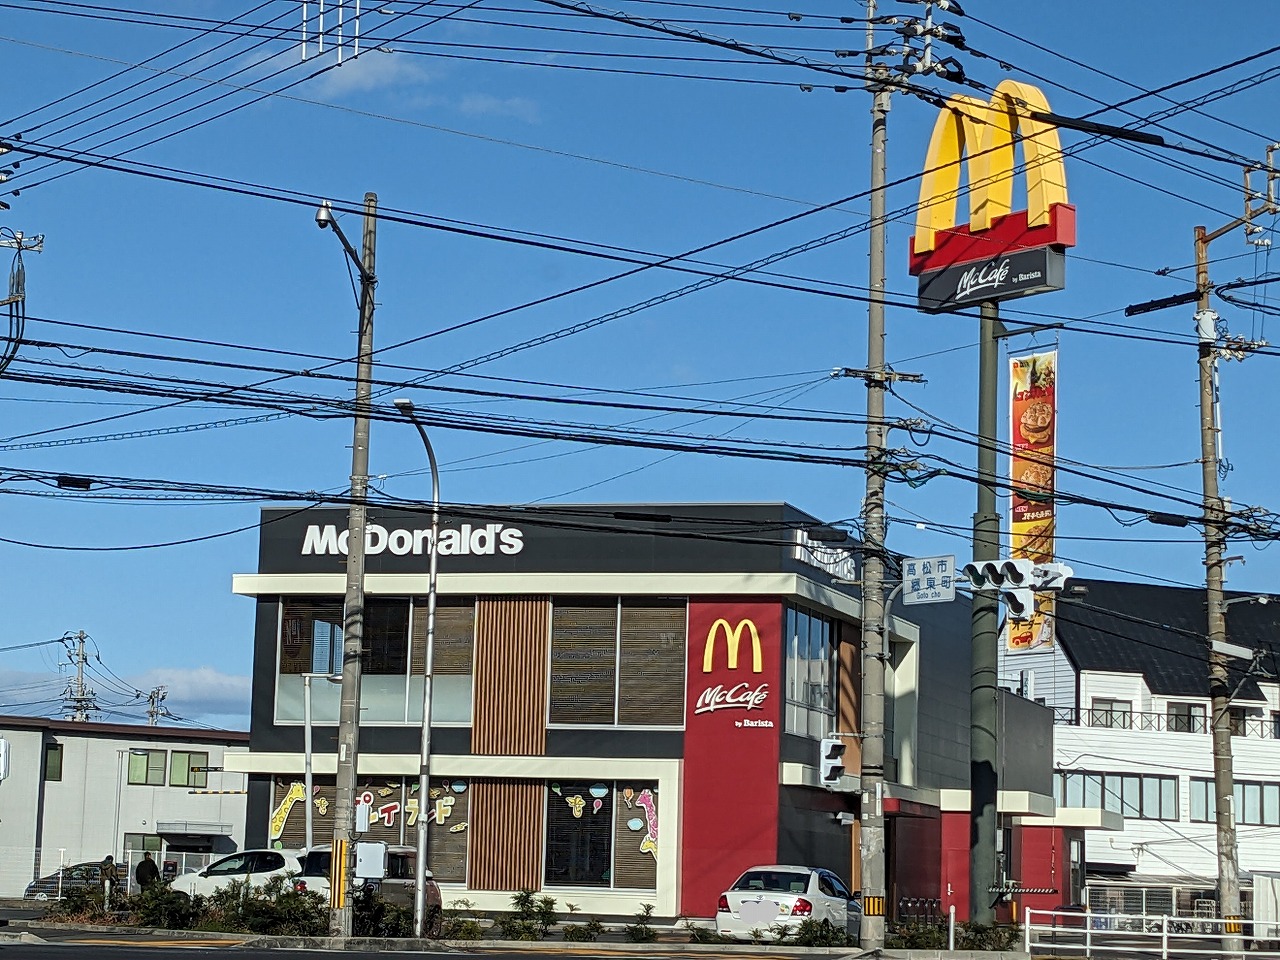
[[811, 643], [602, 834], [617, 662]]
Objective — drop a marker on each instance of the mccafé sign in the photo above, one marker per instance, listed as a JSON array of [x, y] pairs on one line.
[[1000, 253], [746, 694]]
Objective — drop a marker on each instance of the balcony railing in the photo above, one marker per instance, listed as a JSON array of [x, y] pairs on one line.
[[1258, 728]]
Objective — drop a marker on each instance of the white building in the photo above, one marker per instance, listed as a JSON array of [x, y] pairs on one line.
[[1128, 682], [79, 791]]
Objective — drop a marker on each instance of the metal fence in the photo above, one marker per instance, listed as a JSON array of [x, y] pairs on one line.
[[1257, 728], [1061, 933], [46, 874]]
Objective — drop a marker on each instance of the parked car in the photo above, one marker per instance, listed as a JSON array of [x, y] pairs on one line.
[[82, 875], [397, 887], [773, 900], [255, 867]]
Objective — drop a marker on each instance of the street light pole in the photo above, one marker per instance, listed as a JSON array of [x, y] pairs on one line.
[[344, 812], [424, 761]]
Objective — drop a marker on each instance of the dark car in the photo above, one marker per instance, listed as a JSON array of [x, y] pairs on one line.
[[397, 887], [81, 875]]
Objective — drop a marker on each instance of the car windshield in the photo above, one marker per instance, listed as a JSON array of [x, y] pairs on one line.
[[316, 863], [773, 881]]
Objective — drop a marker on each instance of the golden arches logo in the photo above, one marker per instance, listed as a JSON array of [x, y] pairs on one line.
[[733, 640], [983, 135]]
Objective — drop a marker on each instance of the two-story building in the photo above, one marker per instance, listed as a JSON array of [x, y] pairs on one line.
[[1128, 684], [627, 703], [77, 792]]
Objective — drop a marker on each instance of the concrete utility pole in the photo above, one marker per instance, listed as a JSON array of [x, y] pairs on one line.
[[344, 813], [871, 831], [154, 709], [80, 698], [984, 638]]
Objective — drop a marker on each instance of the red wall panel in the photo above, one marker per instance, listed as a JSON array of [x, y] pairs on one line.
[[917, 857], [733, 720], [954, 888]]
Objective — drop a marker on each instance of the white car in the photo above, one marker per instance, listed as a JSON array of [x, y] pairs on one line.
[[771, 901], [255, 867]]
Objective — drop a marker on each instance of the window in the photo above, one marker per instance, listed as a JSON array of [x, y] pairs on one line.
[[451, 660], [180, 769], [579, 847], [1256, 804], [618, 662], [1275, 724], [311, 636], [141, 842], [602, 834], [236, 864], [1186, 717], [1111, 713], [1238, 720], [812, 642], [53, 762], [146, 767], [1137, 796], [264, 861]]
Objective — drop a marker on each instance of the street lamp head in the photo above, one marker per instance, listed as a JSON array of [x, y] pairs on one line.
[[324, 214], [404, 405]]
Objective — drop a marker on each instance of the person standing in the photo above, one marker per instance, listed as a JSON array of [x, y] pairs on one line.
[[109, 877], [146, 873]]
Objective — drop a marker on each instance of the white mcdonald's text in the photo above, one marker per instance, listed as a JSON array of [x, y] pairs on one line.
[[478, 540], [738, 697]]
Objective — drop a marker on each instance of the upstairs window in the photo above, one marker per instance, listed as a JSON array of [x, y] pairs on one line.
[[1186, 718], [146, 767], [1106, 712]]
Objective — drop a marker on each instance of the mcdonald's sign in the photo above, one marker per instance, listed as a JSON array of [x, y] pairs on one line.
[[733, 641], [1000, 253]]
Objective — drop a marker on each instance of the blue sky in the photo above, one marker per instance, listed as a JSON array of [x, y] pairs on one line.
[[656, 164]]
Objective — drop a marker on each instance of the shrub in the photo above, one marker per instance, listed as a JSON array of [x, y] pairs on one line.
[[815, 933], [700, 934], [915, 937], [461, 928], [78, 905], [534, 916], [641, 931], [976, 936], [375, 917], [588, 932], [159, 906]]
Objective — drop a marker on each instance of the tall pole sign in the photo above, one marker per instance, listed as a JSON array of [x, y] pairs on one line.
[[999, 254]]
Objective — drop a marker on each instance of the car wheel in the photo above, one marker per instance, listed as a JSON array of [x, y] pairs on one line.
[[42, 896]]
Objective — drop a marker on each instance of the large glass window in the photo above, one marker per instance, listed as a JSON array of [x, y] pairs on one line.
[[602, 834], [1186, 717], [188, 769], [618, 662], [1256, 804], [393, 651], [812, 642], [1139, 796], [451, 667], [146, 767], [1106, 712]]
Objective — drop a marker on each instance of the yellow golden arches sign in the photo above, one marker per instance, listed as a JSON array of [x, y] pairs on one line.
[[733, 640], [998, 252]]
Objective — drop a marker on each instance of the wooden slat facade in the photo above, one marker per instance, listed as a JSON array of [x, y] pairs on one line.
[[506, 835], [510, 712], [849, 697]]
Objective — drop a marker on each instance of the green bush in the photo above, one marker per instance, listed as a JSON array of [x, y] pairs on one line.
[[916, 938], [976, 936], [78, 904], [375, 917], [274, 909], [815, 933], [699, 934], [641, 931], [461, 928], [588, 932], [159, 906], [534, 916]]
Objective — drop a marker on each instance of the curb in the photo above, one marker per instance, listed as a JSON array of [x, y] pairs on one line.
[[542, 946], [121, 928], [8, 937]]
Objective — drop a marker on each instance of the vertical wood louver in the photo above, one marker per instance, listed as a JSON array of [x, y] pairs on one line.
[[510, 714]]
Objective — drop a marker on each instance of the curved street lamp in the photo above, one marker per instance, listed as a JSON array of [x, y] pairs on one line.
[[405, 406]]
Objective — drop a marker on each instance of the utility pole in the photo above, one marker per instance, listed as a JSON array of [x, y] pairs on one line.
[[984, 637], [154, 709], [1216, 520], [80, 698], [871, 828], [344, 814]]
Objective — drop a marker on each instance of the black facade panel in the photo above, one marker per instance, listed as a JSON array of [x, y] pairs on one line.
[[797, 749], [1025, 744], [451, 741], [257, 812], [597, 538], [808, 832], [262, 709], [647, 744]]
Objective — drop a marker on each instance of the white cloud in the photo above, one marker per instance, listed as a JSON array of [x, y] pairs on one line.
[[370, 71], [200, 693], [521, 108]]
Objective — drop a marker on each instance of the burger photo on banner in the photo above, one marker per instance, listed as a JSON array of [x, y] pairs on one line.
[[1033, 381]]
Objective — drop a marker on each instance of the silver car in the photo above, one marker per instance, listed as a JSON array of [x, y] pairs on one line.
[[770, 902]]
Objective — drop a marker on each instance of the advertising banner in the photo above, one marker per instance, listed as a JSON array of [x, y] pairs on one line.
[[1033, 383], [733, 721]]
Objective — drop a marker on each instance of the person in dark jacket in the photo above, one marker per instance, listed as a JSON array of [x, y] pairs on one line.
[[109, 877], [146, 872]]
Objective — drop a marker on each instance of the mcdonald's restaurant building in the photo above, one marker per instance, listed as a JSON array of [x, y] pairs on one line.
[[627, 704]]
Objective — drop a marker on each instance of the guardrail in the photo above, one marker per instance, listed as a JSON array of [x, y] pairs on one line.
[[1085, 933]]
